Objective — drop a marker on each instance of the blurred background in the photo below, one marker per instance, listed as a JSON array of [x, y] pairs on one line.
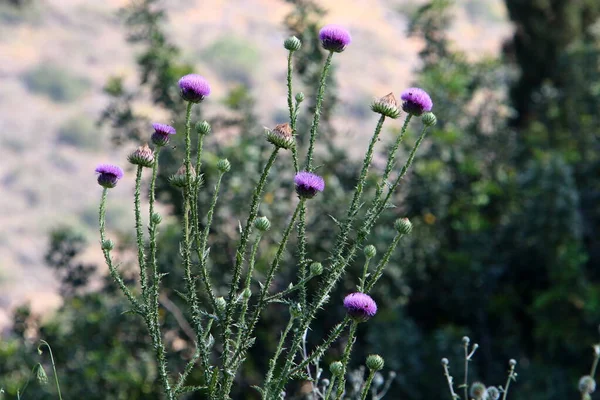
[[504, 195]]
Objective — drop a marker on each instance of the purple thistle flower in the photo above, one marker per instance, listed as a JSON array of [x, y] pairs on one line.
[[360, 306], [308, 184], [108, 175], [160, 137], [194, 88], [334, 38], [416, 101]]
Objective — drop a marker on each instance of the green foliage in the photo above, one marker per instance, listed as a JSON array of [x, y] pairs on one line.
[[80, 132], [234, 58], [55, 82]]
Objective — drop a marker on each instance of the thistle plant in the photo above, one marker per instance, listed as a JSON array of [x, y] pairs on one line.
[[224, 321], [477, 390]]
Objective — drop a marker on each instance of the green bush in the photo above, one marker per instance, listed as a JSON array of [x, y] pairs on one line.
[[55, 82], [80, 132]]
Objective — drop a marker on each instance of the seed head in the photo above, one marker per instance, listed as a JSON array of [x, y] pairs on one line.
[[478, 391], [387, 106], [587, 385], [493, 393], [142, 156]]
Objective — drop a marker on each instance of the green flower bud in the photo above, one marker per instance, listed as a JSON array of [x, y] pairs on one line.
[[299, 97], [262, 224], [40, 375], [281, 136], [296, 310], [387, 106], [179, 179], [203, 128], [108, 245], [478, 391], [403, 226], [316, 268], [221, 304], [292, 43], [142, 156], [375, 362], [223, 165], [336, 368], [445, 361], [370, 251], [429, 119], [247, 293], [512, 362], [587, 385], [156, 218], [466, 340]]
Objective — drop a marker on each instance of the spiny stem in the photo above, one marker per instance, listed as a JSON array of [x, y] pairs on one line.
[[511, 376], [112, 269], [315, 124], [291, 109], [289, 290], [382, 263], [140, 235], [466, 382], [273, 361], [241, 250], [392, 158], [202, 242], [330, 388], [346, 358], [264, 292], [320, 350], [595, 363], [363, 279], [367, 386], [449, 380], [302, 255], [152, 233], [44, 343]]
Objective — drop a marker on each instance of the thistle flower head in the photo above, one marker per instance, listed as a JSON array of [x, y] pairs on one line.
[[360, 306], [262, 224], [203, 128], [336, 368], [193, 88], [316, 268], [308, 184], [370, 251], [416, 101], [223, 165], [161, 134], [404, 226], [429, 118], [281, 136], [142, 156], [334, 38], [108, 175], [478, 391], [387, 106]]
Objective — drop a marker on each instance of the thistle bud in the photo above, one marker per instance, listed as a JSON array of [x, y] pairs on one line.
[[156, 218], [179, 179], [108, 245], [262, 224], [445, 361], [295, 310], [587, 385], [247, 293], [223, 165], [281, 136], [466, 340], [221, 304], [387, 106], [142, 156], [316, 268], [292, 43], [493, 393], [203, 128], [336, 368], [478, 391], [299, 97], [512, 362], [403, 226], [370, 251], [375, 362], [40, 375], [429, 119]]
